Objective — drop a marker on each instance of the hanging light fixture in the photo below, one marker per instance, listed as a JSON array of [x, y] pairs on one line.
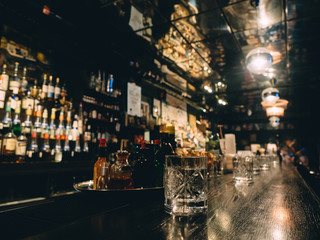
[[275, 108], [270, 94], [274, 121], [259, 60]]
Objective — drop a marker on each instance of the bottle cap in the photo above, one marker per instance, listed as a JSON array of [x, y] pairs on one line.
[[157, 142], [103, 141]]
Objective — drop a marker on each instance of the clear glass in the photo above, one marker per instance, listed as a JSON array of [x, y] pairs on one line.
[[256, 165], [264, 162], [185, 184], [243, 169]]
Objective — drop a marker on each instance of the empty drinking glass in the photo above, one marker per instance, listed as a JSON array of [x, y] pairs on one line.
[[264, 161], [185, 184], [243, 169]]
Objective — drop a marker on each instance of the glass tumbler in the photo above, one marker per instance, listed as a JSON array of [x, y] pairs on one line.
[[243, 169], [264, 162], [185, 185]]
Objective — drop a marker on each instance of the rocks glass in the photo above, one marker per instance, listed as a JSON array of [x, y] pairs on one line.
[[243, 169], [264, 162], [185, 185]]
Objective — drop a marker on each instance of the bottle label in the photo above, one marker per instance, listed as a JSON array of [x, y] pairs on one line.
[[13, 103], [50, 91], [4, 78], [21, 148], [44, 88], [57, 91], [2, 95], [27, 130], [58, 156], [10, 144]]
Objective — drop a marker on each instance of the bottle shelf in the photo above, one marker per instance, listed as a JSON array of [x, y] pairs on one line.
[[93, 106]]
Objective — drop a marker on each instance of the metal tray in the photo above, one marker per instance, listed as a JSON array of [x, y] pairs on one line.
[[88, 187]]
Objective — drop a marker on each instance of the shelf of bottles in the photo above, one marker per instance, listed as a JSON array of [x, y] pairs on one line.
[[40, 124]]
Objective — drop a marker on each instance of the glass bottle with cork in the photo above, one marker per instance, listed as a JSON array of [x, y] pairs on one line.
[[101, 167]]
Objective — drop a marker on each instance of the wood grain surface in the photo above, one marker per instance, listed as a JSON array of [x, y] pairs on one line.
[[279, 205]]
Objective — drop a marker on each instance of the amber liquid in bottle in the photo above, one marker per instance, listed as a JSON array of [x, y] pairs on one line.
[[120, 173], [100, 163]]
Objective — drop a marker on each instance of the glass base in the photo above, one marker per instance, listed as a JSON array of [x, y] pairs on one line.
[[265, 167], [246, 181], [183, 207]]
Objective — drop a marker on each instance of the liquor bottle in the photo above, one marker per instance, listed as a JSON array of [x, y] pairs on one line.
[[35, 90], [44, 89], [98, 82], [76, 152], [57, 89], [45, 152], [27, 124], [14, 98], [121, 172], [52, 128], [50, 93], [61, 128], [37, 123], [100, 163], [24, 82], [14, 82], [4, 78], [44, 124], [33, 150], [9, 146], [57, 149], [159, 156], [16, 126], [103, 83], [144, 170], [27, 100], [21, 147], [87, 143], [7, 120], [38, 102], [110, 84], [68, 126], [66, 151], [92, 84], [171, 136]]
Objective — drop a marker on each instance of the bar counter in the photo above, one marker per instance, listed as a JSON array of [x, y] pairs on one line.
[[279, 205]]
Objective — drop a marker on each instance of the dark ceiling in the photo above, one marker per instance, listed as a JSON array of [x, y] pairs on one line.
[[204, 41]]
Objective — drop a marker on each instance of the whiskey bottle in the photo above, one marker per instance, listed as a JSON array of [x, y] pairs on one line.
[[27, 100], [24, 82], [57, 149], [57, 89], [16, 126], [7, 120], [44, 87], [98, 82], [100, 163], [44, 124], [21, 147], [52, 128], [121, 172], [103, 83], [37, 123], [14, 82], [50, 94], [33, 150], [14, 98], [45, 152], [4, 78], [9, 146], [35, 90], [92, 84], [27, 124], [110, 84]]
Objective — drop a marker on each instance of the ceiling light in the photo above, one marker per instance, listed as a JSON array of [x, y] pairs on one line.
[[275, 108], [274, 121], [270, 95], [258, 60]]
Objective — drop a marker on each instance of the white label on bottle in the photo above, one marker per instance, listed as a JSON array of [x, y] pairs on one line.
[[30, 101], [4, 78], [10, 144], [94, 114], [1, 104], [13, 85], [44, 88], [13, 103], [50, 91], [57, 92], [27, 130], [2, 95], [21, 148]]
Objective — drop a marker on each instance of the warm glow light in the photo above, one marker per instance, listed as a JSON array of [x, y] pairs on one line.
[[270, 94], [259, 60], [275, 108]]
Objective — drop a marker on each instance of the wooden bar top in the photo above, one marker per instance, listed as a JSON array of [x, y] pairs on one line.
[[279, 205]]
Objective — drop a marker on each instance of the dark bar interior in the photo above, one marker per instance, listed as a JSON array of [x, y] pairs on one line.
[[159, 119]]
